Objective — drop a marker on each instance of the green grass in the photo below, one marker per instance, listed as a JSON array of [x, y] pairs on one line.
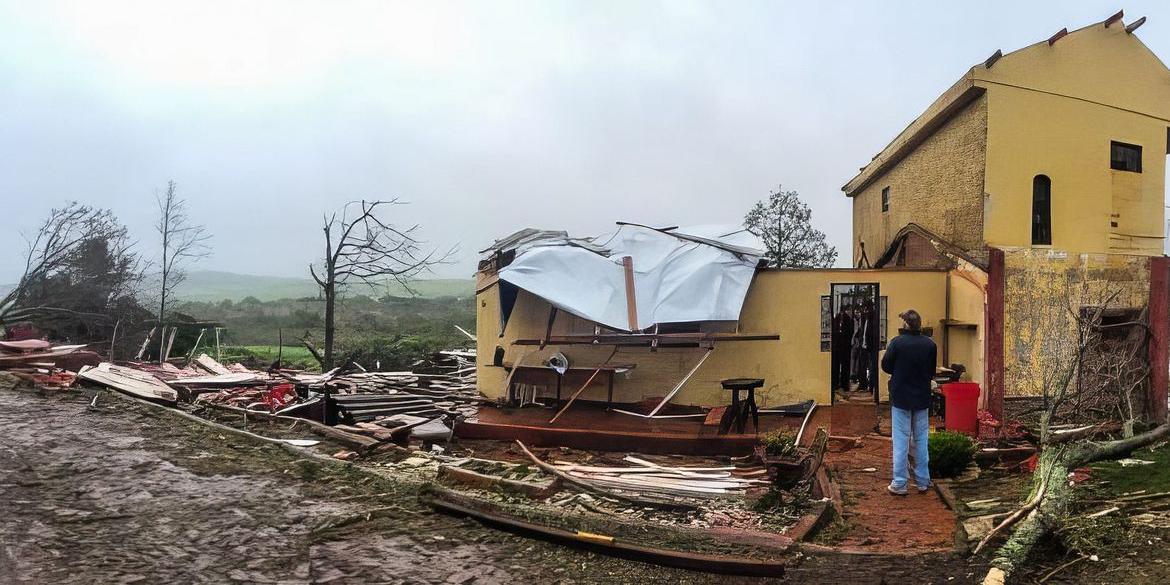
[[296, 357], [1152, 478]]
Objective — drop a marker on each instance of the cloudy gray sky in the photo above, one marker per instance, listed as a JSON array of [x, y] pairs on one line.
[[486, 116]]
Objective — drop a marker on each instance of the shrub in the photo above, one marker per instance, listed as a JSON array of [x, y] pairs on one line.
[[950, 453], [780, 444]]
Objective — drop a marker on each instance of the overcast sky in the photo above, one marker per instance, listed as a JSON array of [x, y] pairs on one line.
[[487, 116]]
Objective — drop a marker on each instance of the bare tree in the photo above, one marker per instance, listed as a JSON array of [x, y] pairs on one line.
[[1093, 370], [182, 242], [784, 223], [361, 247], [52, 249]]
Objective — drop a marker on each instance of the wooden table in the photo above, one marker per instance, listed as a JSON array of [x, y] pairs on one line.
[[609, 370]]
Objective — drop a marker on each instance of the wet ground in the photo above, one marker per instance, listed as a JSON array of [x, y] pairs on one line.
[[125, 493]]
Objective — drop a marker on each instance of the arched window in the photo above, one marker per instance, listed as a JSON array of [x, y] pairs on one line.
[[1041, 211]]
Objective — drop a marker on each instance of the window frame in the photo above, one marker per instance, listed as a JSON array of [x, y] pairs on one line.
[[885, 199], [1121, 164], [1048, 211]]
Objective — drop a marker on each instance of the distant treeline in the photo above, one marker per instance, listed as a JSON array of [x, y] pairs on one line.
[[392, 331]]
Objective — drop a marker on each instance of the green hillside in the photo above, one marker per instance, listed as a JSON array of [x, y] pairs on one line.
[[210, 285]]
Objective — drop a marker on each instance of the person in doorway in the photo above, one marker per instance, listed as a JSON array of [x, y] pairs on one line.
[[865, 356], [841, 346], [910, 361]]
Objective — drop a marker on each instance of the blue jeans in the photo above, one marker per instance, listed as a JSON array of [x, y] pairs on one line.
[[911, 429]]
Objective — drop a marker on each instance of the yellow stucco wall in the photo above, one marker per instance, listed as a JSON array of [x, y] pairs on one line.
[[784, 302], [1032, 133], [1046, 109], [939, 186], [1041, 286], [968, 303]]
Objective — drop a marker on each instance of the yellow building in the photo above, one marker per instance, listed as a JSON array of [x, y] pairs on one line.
[[1058, 146], [1054, 156], [1038, 173]]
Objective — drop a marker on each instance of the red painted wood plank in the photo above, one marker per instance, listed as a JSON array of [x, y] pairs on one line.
[[993, 317], [1159, 314]]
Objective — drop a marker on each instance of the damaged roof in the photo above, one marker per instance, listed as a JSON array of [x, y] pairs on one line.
[[677, 275]]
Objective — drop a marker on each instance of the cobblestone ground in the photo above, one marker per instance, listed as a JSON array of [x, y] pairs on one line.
[[124, 493]]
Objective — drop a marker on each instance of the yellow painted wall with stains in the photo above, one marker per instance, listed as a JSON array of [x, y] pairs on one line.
[[1043, 288], [1047, 110], [783, 302]]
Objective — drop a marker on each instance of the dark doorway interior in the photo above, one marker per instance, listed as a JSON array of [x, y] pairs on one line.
[[855, 341]]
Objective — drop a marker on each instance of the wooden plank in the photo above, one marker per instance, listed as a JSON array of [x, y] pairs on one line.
[[1159, 346], [130, 381], [994, 345], [583, 387], [647, 338], [686, 560], [680, 384], [631, 297]]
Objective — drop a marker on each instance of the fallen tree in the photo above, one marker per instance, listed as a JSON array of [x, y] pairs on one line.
[[1101, 374]]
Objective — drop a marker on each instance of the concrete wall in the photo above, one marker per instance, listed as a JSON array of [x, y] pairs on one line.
[[939, 186], [783, 302]]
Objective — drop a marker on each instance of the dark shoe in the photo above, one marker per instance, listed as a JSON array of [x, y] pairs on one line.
[[896, 491]]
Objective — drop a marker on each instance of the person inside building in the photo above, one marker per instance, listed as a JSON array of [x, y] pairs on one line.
[[864, 341], [842, 347], [910, 361]]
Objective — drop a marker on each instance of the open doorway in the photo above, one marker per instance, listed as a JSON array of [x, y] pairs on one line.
[[855, 340]]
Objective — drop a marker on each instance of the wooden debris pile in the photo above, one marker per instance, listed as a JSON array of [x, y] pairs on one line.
[[37, 354], [651, 478], [367, 395]]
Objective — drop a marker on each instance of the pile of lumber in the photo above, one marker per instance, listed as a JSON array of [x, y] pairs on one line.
[[649, 478], [129, 381], [36, 353], [442, 393], [352, 408]]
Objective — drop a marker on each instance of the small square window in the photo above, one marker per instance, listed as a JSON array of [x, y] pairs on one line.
[[885, 199], [1125, 157]]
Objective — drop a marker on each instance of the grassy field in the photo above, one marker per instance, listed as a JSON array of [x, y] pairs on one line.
[[294, 357], [214, 286]]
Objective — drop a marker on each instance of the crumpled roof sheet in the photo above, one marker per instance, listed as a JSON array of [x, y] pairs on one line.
[[680, 275]]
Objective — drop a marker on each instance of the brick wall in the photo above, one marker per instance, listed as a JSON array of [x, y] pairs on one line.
[[939, 186]]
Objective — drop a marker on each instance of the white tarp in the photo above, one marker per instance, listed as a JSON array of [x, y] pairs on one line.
[[680, 275]]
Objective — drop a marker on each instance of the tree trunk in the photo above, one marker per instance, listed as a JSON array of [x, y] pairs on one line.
[[330, 297], [1055, 464], [1045, 518]]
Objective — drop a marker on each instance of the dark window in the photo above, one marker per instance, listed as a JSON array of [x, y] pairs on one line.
[[885, 199], [1041, 211], [1125, 157]]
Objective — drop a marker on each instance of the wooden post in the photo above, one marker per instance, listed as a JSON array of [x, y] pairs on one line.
[[145, 343], [1159, 315], [631, 297], [218, 356], [169, 344], [194, 348], [993, 338]]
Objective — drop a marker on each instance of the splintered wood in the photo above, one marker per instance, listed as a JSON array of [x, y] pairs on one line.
[[651, 478]]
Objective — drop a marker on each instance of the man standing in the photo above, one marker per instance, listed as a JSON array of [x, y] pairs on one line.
[[910, 361]]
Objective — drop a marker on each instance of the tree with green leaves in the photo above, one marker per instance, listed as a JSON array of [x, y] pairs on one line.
[[784, 223]]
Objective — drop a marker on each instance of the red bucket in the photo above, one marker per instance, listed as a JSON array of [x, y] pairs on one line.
[[962, 407]]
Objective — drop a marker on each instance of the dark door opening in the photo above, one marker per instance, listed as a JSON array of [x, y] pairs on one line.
[[855, 339]]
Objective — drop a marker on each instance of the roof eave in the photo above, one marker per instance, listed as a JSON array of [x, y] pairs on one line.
[[963, 92]]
